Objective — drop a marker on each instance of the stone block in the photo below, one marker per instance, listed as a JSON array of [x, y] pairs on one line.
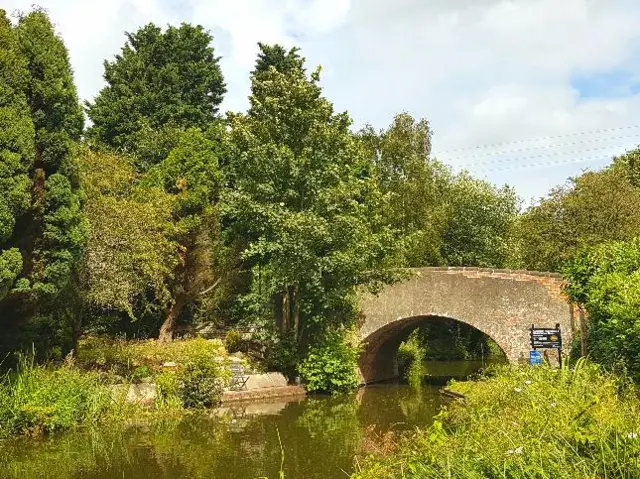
[[267, 380]]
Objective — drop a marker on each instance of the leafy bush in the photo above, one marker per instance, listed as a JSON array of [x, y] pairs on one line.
[[140, 373], [281, 354], [331, 364], [36, 399], [201, 384], [525, 423], [411, 356], [233, 341], [606, 281]]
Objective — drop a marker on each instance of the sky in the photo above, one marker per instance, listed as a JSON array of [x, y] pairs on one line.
[[524, 92]]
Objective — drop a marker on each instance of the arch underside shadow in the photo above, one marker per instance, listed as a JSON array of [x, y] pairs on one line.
[[378, 361]]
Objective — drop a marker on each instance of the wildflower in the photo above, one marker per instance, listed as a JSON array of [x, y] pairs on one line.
[[552, 404], [517, 450], [632, 435], [527, 382], [518, 390]]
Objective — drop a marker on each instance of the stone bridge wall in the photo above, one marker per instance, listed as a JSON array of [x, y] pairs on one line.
[[501, 303]]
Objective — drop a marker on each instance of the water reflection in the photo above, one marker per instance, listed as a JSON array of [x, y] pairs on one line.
[[320, 437]]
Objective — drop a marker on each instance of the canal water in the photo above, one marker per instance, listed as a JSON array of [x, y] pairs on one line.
[[313, 437]]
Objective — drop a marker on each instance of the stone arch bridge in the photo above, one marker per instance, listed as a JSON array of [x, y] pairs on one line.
[[503, 304]]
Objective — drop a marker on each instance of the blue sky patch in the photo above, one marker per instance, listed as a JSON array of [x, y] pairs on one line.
[[611, 84]]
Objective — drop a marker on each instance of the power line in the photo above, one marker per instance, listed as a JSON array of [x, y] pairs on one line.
[[549, 163], [546, 155], [532, 148], [516, 142]]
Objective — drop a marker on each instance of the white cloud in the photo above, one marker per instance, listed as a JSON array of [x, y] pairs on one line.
[[482, 71]]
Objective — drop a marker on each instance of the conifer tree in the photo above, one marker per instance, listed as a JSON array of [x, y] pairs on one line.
[[51, 232], [160, 79], [16, 151]]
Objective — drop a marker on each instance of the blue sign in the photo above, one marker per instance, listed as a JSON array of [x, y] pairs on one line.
[[535, 358]]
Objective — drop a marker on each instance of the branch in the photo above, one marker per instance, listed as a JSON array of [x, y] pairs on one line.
[[211, 287]]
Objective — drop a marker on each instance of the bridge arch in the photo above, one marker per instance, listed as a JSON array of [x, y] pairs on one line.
[[503, 304]]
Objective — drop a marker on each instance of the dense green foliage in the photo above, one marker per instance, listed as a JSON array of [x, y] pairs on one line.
[[17, 149], [56, 231], [605, 281], [331, 364], [303, 200], [593, 208], [160, 78], [414, 184], [445, 338], [526, 422], [411, 355], [481, 222], [44, 230], [130, 251]]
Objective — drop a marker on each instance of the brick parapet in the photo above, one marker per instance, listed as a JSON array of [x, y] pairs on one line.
[[553, 282]]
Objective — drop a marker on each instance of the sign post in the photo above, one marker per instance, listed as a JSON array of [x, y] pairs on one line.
[[535, 358], [545, 338]]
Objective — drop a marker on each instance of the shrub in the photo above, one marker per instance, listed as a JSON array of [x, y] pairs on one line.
[[140, 373], [167, 387], [124, 356], [411, 356], [281, 354], [527, 422], [331, 364], [233, 341], [201, 385], [198, 383]]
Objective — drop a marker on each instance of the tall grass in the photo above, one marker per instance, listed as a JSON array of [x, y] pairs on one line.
[[36, 399], [527, 422]]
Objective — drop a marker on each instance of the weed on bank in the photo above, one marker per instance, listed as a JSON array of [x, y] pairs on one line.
[[527, 422]]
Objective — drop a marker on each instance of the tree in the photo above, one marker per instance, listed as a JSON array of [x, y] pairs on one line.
[[52, 233], [591, 209], [17, 149], [190, 173], [415, 184], [159, 79], [605, 280], [130, 251], [305, 201], [278, 57], [480, 223]]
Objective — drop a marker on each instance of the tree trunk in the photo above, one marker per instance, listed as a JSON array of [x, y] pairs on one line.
[[167, 328], [583, 332], [295, 310], [284, 326]]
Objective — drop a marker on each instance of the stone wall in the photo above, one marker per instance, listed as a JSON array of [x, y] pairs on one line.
[[501, 303]]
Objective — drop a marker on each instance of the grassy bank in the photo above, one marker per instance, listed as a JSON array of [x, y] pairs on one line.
[[40, 399], [526, 422], [37, 399]]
